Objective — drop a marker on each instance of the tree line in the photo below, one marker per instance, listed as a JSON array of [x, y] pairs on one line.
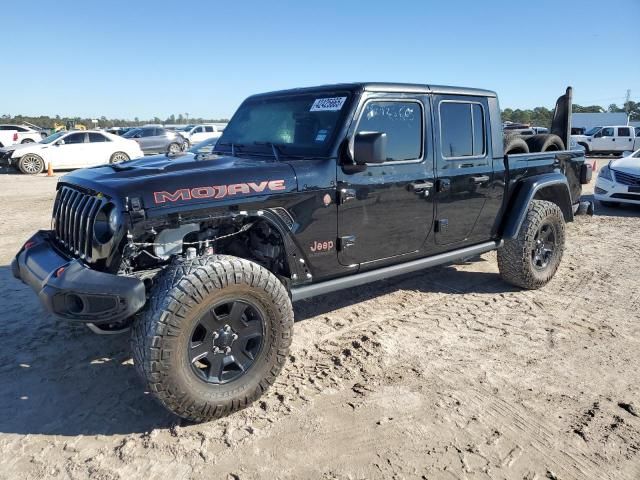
[[539, 117], [542, 116], [48, 122]]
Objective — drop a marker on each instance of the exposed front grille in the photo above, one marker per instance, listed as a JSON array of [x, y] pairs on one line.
[[626, 178], [627, 196], [74, 213]]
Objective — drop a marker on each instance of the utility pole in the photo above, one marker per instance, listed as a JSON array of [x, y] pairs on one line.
[[627, 100]]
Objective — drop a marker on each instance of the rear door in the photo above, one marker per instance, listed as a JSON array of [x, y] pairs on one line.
[[464, 169], [386, 210], [624, 139], [99, 149]]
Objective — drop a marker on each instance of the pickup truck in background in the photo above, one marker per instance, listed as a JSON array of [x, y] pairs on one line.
[[308, 191], [17, 134], [609, 140], [200, 133]]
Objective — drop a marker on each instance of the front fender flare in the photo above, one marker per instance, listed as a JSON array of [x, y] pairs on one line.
[[553, 187]]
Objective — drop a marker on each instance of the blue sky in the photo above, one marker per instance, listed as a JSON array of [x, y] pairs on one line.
[[142, 59]]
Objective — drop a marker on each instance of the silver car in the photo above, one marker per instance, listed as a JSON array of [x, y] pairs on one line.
[[157, 140]]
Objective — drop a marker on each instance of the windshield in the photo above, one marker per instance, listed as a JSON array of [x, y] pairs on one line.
[[296, 124], [130, 133], [592, 131], [52, 138]]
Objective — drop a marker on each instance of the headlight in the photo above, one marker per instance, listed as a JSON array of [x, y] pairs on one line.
[[106, 223], [605, 172], [114, 220]]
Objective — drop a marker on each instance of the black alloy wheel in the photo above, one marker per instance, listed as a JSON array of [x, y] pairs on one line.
[[226, 341], [544, 244]]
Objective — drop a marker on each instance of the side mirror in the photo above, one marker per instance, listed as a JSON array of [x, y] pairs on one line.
[[137, 135], [370, 147], [60, 142]]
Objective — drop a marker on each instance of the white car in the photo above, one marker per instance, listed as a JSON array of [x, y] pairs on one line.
[[619, 181], [200, 133], [68, 150], [13, 134]]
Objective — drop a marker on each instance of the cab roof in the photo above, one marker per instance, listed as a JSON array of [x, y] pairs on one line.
[[387, 87]]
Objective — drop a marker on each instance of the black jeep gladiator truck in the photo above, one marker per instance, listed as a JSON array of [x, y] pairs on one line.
[[308, 191]]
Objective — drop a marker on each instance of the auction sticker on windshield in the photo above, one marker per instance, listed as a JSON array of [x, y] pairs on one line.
[[328, 104]]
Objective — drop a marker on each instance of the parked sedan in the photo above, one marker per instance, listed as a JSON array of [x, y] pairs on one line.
[[68, 150], [619, 181], [155, 139]]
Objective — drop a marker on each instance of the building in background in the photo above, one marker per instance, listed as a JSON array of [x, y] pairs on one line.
[[590, 120]]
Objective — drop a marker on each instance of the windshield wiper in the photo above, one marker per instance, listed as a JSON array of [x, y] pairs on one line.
[[274, 148]]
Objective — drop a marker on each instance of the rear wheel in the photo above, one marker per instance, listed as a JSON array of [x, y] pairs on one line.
[[119, 157], [214, 337], [532, 258], [31, 164], [27, 140], [174, 148]]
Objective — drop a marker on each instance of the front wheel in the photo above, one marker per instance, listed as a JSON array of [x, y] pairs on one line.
[[27, 140], [31, 164], [532, 259], [174, 148], [214, 336]]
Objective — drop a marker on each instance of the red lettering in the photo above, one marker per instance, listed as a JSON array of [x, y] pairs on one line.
[[238, 188], [202, 192], [258, 187], [182, 194], [276, 185], [221, 191]]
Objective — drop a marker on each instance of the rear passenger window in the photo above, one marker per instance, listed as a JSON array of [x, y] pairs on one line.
[[401, 121], [208, 129], [624, 132], [462, 129]]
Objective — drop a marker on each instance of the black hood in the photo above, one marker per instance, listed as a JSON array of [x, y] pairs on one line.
[[162, 180]]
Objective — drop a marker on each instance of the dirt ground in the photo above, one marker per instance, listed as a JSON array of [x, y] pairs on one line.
[[444, 374]]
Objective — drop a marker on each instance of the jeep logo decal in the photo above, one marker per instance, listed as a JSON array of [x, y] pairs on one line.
[[321, 246], [219, 191]]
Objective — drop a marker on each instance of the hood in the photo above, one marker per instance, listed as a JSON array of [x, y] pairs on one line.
[[162, 181], [580, 137], [627, 164]]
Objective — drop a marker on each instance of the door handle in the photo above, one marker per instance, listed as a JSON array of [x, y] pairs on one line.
[[421, 185], [481, 179]]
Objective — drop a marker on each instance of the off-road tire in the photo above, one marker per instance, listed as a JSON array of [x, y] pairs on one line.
[[161, 337], [515, 258], [514, 144], [31, 164], [544, 142]]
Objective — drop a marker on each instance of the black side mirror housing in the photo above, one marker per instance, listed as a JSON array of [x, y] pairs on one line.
[[370, 147]]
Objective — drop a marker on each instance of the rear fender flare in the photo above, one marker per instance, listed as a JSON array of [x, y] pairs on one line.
[[553, 187]]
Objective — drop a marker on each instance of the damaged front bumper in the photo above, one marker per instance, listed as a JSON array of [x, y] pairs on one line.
[[71, 290]]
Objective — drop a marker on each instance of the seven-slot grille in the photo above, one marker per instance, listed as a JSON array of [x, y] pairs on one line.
[[627, 178], [74, 213]]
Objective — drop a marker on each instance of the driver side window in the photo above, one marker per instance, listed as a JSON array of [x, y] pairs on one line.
[[606, 132], [401, 121], [74, 138]]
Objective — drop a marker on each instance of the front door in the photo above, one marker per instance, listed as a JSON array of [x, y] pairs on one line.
[[387, 209], [464, 166], [604, 140]]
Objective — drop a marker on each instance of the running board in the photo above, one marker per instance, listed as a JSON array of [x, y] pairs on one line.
[[308, 291]]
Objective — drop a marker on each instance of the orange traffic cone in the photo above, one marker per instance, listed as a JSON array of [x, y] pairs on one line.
[[50, 170]]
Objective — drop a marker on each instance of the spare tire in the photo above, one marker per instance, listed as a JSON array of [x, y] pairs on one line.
[[545, 142], [514, 144]]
